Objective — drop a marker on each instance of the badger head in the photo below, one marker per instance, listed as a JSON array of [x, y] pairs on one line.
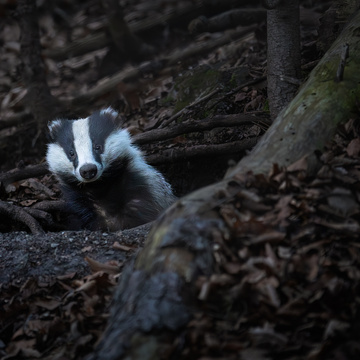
[[81, 150]]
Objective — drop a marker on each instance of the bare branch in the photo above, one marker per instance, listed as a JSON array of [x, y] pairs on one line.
[[19, 214]]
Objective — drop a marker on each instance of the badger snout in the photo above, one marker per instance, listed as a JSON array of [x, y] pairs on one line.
[[88, 171]]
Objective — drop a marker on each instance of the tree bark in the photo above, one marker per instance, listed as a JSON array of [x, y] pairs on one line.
[[283, 54], [42, 104], [178, 248], [125, 45]]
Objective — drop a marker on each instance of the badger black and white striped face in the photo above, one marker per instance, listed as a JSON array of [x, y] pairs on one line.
[[82, 149]]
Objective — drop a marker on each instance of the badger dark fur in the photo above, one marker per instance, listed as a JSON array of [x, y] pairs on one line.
[[103, 176]]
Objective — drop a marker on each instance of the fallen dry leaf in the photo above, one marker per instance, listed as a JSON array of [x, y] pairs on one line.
[[353, 149], [97, 266]]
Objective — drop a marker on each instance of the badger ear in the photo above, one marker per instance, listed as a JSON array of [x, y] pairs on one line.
[[53, 127], [109, 111], [113, 114]]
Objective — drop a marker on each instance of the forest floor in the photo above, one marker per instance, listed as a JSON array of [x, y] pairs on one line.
[[56, 288]]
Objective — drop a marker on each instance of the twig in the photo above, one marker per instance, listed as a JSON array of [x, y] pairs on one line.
[[50, 205], [291, 80], [238, 88], [249, 83], [180, 154], [39, 215], [198, 125], [227, 19], [341, 67], [19, 214], [25, 173], [188, 107]]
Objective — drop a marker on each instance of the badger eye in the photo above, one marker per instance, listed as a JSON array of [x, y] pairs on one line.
[[72, 154], [98, 148]]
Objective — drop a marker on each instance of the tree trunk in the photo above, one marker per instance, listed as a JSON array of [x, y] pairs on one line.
[[283, 54], [126, 45], [42, 104], [154, 296]]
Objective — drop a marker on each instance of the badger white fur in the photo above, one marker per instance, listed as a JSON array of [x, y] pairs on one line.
[[103, 176]]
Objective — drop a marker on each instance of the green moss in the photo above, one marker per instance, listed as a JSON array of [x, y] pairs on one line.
[[167, 101], [194, 85], [200, 82], [266, 107], [233, 80]]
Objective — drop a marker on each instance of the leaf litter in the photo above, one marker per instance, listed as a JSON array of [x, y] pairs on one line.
[[292, 266], [286, 284]]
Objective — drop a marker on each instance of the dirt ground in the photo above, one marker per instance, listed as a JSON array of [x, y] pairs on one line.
[[58, 253]]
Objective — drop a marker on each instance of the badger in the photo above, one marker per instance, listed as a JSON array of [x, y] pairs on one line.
[[103, 177]]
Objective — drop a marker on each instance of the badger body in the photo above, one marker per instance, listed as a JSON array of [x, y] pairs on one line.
[[103, 176]]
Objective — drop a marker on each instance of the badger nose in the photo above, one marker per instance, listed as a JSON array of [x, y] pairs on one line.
[[88, 171]]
